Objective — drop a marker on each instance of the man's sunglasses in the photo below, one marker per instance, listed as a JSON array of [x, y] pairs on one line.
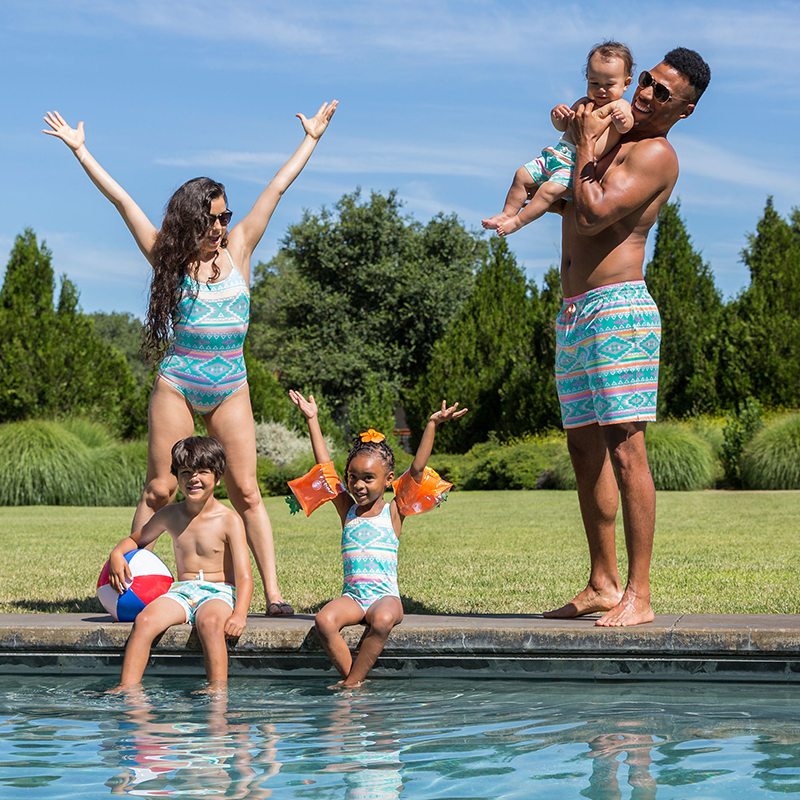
[[224, 218], [660, 92]]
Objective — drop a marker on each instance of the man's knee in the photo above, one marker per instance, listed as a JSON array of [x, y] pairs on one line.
[[626, 443]]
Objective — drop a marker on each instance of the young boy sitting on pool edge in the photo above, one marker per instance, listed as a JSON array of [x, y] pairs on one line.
[[214, 583], [370, 532]]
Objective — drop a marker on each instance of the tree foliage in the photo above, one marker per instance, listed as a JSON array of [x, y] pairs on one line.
[[360, 293], [690, 306], [54, 362], [489, 358]]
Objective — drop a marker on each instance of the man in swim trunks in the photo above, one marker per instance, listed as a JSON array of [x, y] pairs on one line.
[[608, 331]]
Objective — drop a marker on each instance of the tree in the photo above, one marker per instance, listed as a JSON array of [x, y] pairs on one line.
[[760, 353], [54, 362], [690, 305], [359, 294], [474, 360]]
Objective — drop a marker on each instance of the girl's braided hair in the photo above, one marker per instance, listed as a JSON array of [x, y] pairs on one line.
[[380, 449]]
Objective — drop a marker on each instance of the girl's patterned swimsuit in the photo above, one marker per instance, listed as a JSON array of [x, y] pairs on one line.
[[205, 362], [369, 557]]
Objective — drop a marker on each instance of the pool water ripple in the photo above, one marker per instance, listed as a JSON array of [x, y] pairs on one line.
[[420, 738]]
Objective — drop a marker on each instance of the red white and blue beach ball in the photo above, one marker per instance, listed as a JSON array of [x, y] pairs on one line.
[[151, 578]]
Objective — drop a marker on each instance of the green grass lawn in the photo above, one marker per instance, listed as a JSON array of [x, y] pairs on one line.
[[483, 552]]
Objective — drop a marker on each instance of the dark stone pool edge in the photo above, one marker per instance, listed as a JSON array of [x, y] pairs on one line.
[[764, 648]]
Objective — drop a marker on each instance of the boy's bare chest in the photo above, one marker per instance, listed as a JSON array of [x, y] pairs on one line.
[[205, 541]]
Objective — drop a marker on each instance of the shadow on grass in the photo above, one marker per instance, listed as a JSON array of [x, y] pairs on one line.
[[74, 605]]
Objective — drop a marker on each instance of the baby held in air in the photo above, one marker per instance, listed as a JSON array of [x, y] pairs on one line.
[[548, 178]]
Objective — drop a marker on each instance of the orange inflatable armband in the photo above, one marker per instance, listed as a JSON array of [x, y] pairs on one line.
[[417, 498], [317, 486]]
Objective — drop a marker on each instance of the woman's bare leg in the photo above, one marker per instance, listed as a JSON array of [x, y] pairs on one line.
[[169, 419], [232, 424]]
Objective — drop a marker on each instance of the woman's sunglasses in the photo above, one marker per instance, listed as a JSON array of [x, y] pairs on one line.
[[224, 218], [660, 92]]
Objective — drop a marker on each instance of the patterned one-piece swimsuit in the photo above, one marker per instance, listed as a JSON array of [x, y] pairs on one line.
[[369, 557], [205, 362]]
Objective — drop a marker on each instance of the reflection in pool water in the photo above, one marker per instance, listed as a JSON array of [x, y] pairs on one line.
[[419, 738]]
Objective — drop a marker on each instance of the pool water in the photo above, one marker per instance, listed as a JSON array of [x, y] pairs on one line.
[[417, 738]]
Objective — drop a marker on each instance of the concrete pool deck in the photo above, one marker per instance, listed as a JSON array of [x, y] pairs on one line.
[[673, 647]]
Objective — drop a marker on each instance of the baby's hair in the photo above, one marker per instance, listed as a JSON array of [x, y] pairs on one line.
[[380, 449], [198, 452], [608, 50]]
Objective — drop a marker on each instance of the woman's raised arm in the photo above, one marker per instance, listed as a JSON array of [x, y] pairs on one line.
[[250, 230], [144, 232]]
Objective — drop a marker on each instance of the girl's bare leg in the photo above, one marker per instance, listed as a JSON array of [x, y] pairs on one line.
[[232, 424], [210, 622], [381, 617], [151, 621], [330, 620], [522, 187], [169, 419]]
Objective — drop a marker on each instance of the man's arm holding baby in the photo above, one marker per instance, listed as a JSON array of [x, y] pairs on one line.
[[243, 577]]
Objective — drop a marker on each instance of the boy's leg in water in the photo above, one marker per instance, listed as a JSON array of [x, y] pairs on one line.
[[544, 197], [522, 187], [154, 619], [329, 621], [210, 622], [381, 617]]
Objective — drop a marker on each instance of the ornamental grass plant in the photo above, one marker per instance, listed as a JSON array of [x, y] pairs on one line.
[[680, 460], [772, 458]]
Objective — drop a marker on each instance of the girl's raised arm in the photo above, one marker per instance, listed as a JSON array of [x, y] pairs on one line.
[[247, 234], [144, 232], [445, 414]]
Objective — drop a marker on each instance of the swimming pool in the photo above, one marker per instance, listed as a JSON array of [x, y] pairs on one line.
[[421, 738]]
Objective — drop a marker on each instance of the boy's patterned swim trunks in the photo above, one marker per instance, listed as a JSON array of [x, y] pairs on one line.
[[555, 164], [192, 594], [607, 345]]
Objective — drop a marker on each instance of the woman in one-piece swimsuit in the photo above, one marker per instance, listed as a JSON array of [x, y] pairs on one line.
[[197, 319]]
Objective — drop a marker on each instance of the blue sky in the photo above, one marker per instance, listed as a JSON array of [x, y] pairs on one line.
[[440, 100]]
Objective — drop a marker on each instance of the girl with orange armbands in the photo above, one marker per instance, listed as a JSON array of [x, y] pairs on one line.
[[370, 532]]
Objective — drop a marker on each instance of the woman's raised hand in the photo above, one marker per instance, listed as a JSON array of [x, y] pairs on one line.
[[308, 406], [316, 126], [72, 137]]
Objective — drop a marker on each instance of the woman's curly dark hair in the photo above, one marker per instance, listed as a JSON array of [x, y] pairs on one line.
[[380, 449], [177, 245]]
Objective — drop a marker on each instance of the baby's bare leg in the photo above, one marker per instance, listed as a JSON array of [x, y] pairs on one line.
[[547, 194], [381, 617], [329, 622], [210, 625], [522, 187], [159, 615]]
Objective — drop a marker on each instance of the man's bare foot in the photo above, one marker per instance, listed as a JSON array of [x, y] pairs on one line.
[[509, 225], [589, 601], [633, 609], [491, 223]]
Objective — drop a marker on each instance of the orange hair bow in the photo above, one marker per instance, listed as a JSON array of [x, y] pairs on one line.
[[371, 435]]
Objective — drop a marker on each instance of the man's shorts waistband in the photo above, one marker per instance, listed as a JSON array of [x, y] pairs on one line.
[[599, 291]]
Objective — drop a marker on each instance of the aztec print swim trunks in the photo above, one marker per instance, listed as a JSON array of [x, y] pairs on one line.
[[192, 594], [607, 347], [555, 164]]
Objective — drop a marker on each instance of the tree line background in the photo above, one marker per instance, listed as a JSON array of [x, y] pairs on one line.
[[374, 311]]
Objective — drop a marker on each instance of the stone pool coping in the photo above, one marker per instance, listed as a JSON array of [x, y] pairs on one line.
[[673, 647]]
